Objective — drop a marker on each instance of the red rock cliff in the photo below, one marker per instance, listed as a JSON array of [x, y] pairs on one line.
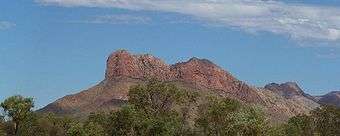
[[201, 73]]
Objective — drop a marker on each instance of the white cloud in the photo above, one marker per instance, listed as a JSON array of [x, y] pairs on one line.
[[6, 25], [116, 19], [300, 22], [328, 56]]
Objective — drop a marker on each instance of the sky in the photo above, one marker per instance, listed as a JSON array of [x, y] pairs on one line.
[[52, 48]]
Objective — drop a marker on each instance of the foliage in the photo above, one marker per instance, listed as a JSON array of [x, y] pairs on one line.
[[76, 129], [276, 130], [124, 122], [151, 111], [22, 121], [327, 120], [162, 109], [301, 125], [31, 126], [250, 121], [94, 129], [216, 116], [2, 126], [228, 117], [17, 108], [99, 121], [155, 97], [323, 121]]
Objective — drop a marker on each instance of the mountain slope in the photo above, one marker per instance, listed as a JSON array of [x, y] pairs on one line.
[[198, 72], [286, 100], [124, 70], [332, 98]]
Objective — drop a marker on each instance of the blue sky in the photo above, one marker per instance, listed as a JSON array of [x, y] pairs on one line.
[[51, 48]]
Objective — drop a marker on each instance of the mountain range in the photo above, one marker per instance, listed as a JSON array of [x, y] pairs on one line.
[[123, 70]]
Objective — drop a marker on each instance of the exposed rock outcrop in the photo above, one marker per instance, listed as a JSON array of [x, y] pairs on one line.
[[125, 69], [332, 98], [288, 90], [201, 73], [123, 64]]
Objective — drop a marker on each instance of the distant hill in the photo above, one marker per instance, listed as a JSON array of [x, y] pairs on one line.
[[280, 101], [332, 98]]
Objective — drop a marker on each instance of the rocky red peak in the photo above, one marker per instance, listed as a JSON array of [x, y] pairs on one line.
[[201, 62], [123, 64], [287, 89], [201, 72], [125, 70]]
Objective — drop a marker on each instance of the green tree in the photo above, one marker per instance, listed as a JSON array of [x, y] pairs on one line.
[[327, 120], [94, 129], [301, 125], [76, 129], [17, 108], [155, 98], [216, 117], [2, 126], [131, 122], [249, 121], [50, 125], [276, 130], [153, 109], [2, 131], [31, 126], [66, 123], [227, 117], [124, 122], [101, 120]]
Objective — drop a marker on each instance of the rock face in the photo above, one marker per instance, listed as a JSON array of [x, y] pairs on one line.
[[332, 98], [286, 100], [201, 73], [288, 90], [125, 69], [123, 64]]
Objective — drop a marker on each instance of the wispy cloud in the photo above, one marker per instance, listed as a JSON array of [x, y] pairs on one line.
[[6, 25], [297, 21], [328, 56], [116, 19], [331, 54]]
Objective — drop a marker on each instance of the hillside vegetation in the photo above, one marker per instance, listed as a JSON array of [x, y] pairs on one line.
[[162, 109]]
